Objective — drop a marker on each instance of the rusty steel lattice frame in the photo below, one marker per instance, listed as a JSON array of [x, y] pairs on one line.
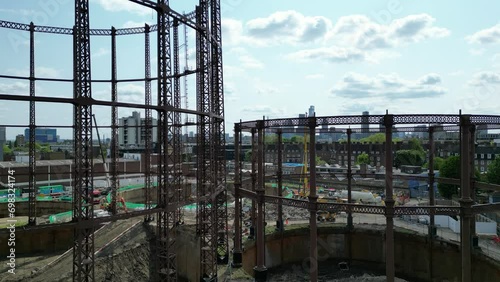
[[148, 123], [115, 185], [32, 129], [210, 113], [166, 243], [177, 142], [466, 210], [218, 130], [205, 156], [83, 252]]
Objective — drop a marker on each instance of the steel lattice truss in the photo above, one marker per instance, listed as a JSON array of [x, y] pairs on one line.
[[148, 182], [83, 253], [206, 162], [32, 160], [166, 255], [212, 212], [114, 125], [218, 134]]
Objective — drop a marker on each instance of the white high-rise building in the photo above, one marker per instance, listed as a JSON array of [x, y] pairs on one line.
[[312, 113], [132, 130]]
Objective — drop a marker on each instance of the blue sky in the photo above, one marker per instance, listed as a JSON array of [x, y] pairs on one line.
[[280, 57]]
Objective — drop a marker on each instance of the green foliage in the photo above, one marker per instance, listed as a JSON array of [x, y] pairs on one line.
[[449, 169], [415, 144], [438, 163], [374, 138], [248, 156], [363, 159], [6, 149], [494, 171], [38, 147], [409, 157], [297, 139], [271, 139], [414, 156], [319, 161]]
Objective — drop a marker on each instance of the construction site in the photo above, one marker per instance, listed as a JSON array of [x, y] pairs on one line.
[[165, 215]]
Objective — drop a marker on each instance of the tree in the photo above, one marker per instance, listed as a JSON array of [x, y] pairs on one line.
[[449, 169], [271, 139], [297, 139], [438, 163], [7, 150], [494, 171], [363, 159], [248, 156], [415, 156], [319, 161], [409, 157], [415, 144], [374, 138]]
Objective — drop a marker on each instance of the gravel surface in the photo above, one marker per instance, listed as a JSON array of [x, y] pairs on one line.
[[328, 271]]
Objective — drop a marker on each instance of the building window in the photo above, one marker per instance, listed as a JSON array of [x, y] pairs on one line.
[[489, 156], [482, 156]]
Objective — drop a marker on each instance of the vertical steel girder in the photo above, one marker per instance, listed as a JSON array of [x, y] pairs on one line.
[[83, 251], [389, 201], [114, 125], [279, 175], [32, 153], [166, 253], [148, 183], [313, 199], [466, 215], [237, 254], [177, 145], [206, 178], [218, 133]]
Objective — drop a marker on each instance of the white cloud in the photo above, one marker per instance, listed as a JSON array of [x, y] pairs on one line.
[[362, 32], [485, 78], [14, 88], [123, 6], [391, 86], [288, 26], [485, 36], [44, 72], [332, 54]]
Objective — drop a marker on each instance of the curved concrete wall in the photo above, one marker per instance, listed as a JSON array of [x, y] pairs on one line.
[[412, 253], [42, 208], [39, 241]]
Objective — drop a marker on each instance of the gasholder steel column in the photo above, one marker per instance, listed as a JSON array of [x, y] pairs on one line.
[[313, 199], [389, 201], [237, 254], [32, 153], [260, 269], [465, 201]]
